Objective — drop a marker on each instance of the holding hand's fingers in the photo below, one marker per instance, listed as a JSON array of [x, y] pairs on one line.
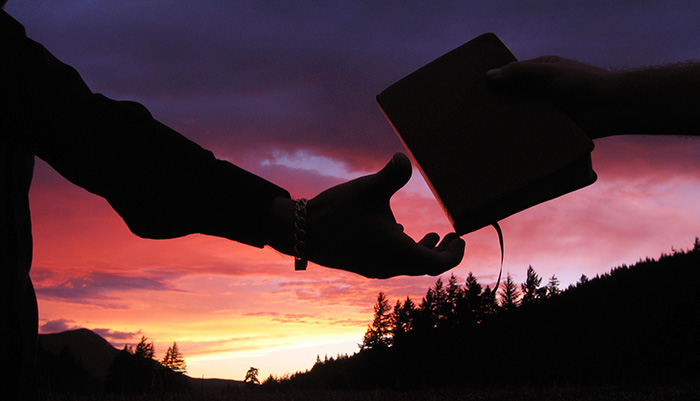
[[556, 75], [582, 91]]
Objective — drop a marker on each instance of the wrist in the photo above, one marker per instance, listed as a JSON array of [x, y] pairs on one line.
[[286, 228], [280, 225]]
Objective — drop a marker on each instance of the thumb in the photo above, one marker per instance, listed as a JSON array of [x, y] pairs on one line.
[[394, 175]]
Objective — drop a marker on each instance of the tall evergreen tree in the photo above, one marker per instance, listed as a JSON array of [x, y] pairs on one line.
[[553, 286], [509, 294], [488, 301], [174, 360], [144, 349], [472, 288], [379, 333], [454, 293], [530, 287], [470, 308], [402, 318], [434, 306]]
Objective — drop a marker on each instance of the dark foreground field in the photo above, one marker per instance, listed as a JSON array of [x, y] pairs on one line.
[[554, 393]]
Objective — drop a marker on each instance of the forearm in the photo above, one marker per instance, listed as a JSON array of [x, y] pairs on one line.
[[161, 183], [654, 101]]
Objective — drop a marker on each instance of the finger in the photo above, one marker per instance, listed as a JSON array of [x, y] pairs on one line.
[[447, 240], [393, 176], [447, 255], [432, 261], [430, 240]]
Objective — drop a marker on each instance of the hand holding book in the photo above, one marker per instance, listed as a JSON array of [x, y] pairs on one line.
[[657, 100], [583, 92], [486, 154]]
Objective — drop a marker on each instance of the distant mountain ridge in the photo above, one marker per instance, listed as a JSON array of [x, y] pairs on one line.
[[96, 354]]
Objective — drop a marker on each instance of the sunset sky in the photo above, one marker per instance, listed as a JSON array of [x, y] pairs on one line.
[[287, 90]]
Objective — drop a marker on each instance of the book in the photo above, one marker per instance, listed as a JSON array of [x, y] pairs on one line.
[[486, 153]]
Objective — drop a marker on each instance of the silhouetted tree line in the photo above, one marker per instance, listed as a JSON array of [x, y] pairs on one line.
[[637, 323], [452, 306], [132, 371]]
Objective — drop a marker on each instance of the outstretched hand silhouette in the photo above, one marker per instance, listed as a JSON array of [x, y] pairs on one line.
[[351, 227]]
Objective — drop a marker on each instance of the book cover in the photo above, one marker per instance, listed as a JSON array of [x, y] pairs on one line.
[[486, 153]]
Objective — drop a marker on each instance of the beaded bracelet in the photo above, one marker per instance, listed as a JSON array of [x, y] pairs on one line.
[[300, 260]]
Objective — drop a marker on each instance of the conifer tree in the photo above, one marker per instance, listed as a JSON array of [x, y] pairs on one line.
[[379, 333], [582, 280], [453, 295], [402, 318], [470, 308], [509, 294], [174, 360], [434, 305], [553, 286], [531, 287], [144, 349], [472, 288], [488, 301]]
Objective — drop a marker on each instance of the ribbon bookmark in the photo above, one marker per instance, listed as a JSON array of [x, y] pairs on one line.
[[500, 241]]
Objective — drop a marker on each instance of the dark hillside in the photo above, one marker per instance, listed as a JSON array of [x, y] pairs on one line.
[[638, 324], [80, 362], [94, 352]]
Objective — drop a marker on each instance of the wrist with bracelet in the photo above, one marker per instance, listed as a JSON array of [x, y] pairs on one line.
[[300, 260]]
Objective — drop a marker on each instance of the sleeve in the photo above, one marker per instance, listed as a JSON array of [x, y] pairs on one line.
[[162, 184]]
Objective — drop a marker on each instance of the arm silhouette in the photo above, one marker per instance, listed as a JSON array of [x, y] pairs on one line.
[[661, 100], [164, 185]]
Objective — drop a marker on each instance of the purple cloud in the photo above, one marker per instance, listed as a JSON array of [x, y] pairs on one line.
[[57, 326], [114, 336], [93, 287]]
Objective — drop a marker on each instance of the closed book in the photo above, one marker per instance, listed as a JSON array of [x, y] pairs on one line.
[[487, 153]]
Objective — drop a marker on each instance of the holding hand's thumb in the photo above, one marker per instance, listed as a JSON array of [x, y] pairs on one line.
[[394, 175]]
